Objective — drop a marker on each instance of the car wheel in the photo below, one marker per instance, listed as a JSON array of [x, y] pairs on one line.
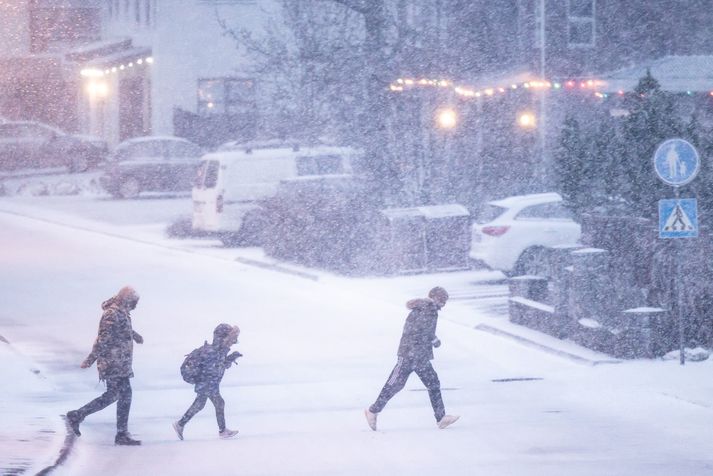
[[533, 261], [129, 187]]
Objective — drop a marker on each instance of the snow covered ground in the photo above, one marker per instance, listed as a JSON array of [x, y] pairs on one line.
[[318, 348]]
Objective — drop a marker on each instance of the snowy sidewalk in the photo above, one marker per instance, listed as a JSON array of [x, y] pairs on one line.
[[32, 432]]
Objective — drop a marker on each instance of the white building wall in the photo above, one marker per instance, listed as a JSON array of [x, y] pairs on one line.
[[187, 44], [14, 28]]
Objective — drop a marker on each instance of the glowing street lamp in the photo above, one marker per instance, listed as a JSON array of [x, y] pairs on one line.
[[446, 118], [97, 89], [526, 120]]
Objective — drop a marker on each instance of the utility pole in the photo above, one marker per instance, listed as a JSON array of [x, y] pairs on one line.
[[542, 136]]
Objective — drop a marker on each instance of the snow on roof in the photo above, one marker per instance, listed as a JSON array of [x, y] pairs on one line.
[[526, 200], [674, 74]]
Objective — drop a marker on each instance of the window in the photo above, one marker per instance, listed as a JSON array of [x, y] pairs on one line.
[[548, 211], [581, 23], [181, 150], [319, 165], [207, 174], [226, 96]]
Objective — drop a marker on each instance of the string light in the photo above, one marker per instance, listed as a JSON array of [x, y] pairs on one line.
[[590, 86], [98, 73]]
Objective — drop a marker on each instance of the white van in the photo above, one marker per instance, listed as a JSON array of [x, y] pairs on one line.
[[231, 181]]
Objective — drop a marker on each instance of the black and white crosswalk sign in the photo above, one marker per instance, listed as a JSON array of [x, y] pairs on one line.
[[678, 218]]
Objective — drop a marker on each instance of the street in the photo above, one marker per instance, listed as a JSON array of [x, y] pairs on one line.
[[317, 352]]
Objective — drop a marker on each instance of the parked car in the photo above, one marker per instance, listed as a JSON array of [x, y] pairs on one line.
[[28, 144], [510, 234], [151, 164]]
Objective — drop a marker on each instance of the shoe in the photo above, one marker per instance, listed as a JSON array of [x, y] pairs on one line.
[[225, 434], [370, 418], [73, 420], [447, 421], [179, 429], [124, 438]]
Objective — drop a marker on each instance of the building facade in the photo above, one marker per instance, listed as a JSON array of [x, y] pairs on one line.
[[57, 69], [200, 85]]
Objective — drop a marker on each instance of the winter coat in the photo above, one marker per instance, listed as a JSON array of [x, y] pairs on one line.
[[419, 332], [214, 362], [114, 347]]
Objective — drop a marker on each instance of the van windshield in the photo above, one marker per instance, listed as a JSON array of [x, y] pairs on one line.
[[207, 174]]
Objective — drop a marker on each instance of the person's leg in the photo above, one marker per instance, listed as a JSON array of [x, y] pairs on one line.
[[429, 377], [123, 405], [197, 406], [101, 402], [219, 405], [393, 385]]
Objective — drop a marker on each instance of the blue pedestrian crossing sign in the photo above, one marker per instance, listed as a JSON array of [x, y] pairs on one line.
[[678, 218], [676, 162]]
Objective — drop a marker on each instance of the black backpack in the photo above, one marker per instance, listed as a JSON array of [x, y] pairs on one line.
[[192, 365]]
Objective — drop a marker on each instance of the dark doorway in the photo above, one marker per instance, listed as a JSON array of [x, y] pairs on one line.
[[131, 108]]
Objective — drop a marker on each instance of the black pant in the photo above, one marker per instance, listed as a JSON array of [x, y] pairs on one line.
[[400, 375], [198, 405], [117, 389]]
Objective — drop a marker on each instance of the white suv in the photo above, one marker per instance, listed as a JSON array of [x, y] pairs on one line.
[[510, 234]]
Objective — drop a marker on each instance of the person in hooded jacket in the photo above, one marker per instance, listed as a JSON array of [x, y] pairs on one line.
[[214, 360], [414, 355], [113, 352]]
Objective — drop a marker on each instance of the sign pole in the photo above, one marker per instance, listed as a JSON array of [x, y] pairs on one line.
[[676, 162], [677, 290]]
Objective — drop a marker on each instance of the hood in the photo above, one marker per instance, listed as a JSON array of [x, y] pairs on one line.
[[126, 299]]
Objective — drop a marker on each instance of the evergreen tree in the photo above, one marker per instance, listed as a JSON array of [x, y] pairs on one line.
[[651, 120], [572, 165]]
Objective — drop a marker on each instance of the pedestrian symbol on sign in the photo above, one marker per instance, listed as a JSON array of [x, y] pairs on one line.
[[678, 221], [678, 218], [676, 162]]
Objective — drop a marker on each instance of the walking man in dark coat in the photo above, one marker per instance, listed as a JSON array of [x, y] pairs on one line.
[[113, 352], [214, 360], [414, 355]]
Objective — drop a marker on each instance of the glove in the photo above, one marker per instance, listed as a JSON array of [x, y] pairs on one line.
[[436, 342]]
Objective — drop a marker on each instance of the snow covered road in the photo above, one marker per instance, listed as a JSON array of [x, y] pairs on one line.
[[316, 353]]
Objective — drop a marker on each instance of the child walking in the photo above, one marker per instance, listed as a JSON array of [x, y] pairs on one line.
[[213, 361]]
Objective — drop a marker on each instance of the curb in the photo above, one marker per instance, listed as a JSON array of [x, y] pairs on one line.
[[64, 452], [550, 350]]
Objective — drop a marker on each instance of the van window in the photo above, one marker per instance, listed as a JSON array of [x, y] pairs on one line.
[[320, 165], [207, 174]]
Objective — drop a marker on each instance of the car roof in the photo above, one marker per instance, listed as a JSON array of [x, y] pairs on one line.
[[527, 200], [138, 140]]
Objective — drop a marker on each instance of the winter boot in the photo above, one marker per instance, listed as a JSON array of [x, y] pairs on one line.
[[370, 418], [124, 438], [73, 420], [179, 429], [447, 420], [226, 433]]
